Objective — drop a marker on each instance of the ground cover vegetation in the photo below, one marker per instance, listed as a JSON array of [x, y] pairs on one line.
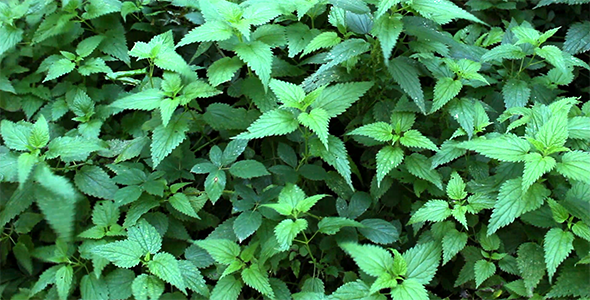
[[301, 149]]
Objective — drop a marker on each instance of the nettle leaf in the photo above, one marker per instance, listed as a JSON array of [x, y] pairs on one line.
[[148, 99], [338, 98], [413, 138], [557, 245], [513, 202], [165, 266], [274, 122], [94, 181], [373, 260], [452, 243], [531, 264], [507, 147], [388, 158], [223, 251], [248, 169], [223, 70], [577, 39], [379, 231], [167, 138], [516, 93], [147, 286], [246, 224], [63, 281], [59, 68], [257, 279], [433, 210], [336, 156], [406, 75], [483, 270], [419, 166], [146, 236], [123, 254], [444, 91], [16, 135], [287, 230], [208, 32], [422, 261], [410, 289], [316, 120], [227, 288], [332, 225], [442, 12], [258, 56], [379, 131], [535, 166], [387, 30], [575, 165]]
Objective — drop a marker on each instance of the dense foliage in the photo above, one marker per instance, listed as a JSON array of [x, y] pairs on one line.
[[294, 149]]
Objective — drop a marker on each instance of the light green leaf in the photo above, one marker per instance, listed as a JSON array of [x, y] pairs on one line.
[[332, 225], [119, 283], [11, 36], [317, 121], [326, 39], [553, 133], [248, 169], [413, 138], [148, 99], [97, 8], [442, 12], [165, 266], [167, 108], [222, 250], [306, 204], [39, 133], [123, 254], [181, 203], [557, 245], [223, 70], [26, 162], [274, 122], [16, 135], [535, 166], [373, 260], [516, 93], [483, 270], [258, 280], [379, 131], [444, 91], [388, 158], [504, 51], [146, 236], [452, 243], [553, 55], [456, 187], [215, 184], [336, 156], [46, 278], [288, 93], [575, 165], [63, 281], [147, 286], [387, 30], [409, 289], [531, 264], [422, 261], [166, 139], [208, 32], [419, 166], [577, 39], [507, 147], [93, 288], [94, 181], [87, 46], [287, 230], [227, 288], [338, 98], [59, 68], [258, 56], [379, 231], [513, 202], [433, 210]]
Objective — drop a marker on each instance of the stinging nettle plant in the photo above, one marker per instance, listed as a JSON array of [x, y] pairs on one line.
[[338, 149]]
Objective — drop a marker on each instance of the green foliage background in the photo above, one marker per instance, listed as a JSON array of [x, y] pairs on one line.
[[300, 149]]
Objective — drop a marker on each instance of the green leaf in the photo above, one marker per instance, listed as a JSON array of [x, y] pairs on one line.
[[444, 91], [248, 169], [222, 250], [504, 51], [63, 281], [97, 8], [274, 122], [410, 289], [181, 203], [316, 120], [575, 165], [26, 162], [59, 68], [287, 230], [456, 187], [87, 46], [406, 76], [93, 288], [373, 260], [123, 254], [379, 131], [332, 225], [148, 99], [16, 135], [165, 266], [227, 288], [326, 39], [146, 236], [553, 55], [413, 138], [387, 30], [289, 94], [433, 210], [258, 280], [579, 128], [516, 93], [166, 139], [535, 166], [336, 156], [72, 148], [531, 264], [46, 278], [147, 286], [557, 245], [258, 56], [452, 243], [20, 200], [513, 202], [442, 12], [215, 184], [223, 70], [379, 231], [39, 133], [577, 39], [193, 278], [571, 282], [388, 158], [94, 181], [553, 133], [11, 36], [338, 98], [483, 270], [507, 147], [208, 32], [119, 283], [306, 204], [246, 224], [422, 261], [419, 166]]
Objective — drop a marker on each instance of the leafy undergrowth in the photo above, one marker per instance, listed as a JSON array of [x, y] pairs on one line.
[[300, 149]]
